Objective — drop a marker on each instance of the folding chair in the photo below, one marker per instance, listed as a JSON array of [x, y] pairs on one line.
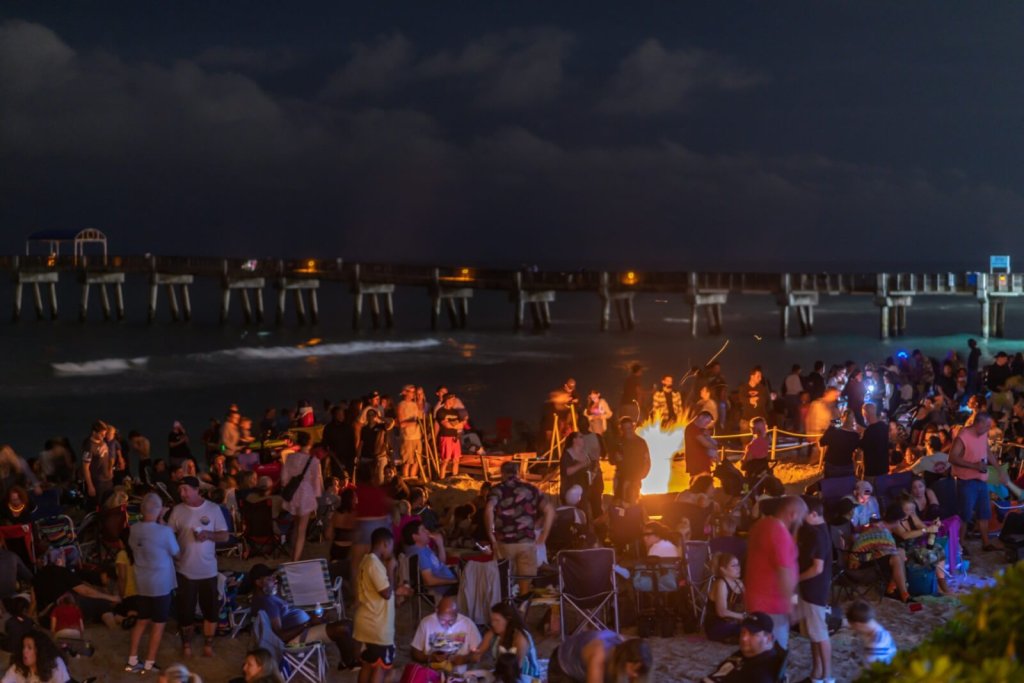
[[945, 491], [847, 583], [307, 585], [835, 489], [697, 565], [58, 533], [308, 660], [655, 585], [422, 594], [889, 486], [258, 532], [19, 540], [698, 516], [233, 546], [586, 584], [626, 529]]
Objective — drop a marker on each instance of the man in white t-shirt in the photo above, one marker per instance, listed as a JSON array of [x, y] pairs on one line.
[[199, 525], [445, 636]]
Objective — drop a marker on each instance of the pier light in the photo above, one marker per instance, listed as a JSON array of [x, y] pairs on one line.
[[460, 275], [629, 278], [51, 260]]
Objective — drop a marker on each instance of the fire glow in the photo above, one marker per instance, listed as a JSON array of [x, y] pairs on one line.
[[663, 444]]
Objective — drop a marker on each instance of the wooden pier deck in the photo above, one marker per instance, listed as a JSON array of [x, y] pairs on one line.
[[452, 287]]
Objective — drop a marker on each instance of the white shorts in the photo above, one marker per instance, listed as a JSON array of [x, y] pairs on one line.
[[812, 621]]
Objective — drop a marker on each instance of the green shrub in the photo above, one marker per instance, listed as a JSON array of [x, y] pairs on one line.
[[979, 644]]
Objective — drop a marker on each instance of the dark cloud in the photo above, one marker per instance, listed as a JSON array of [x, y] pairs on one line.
[[509, 147], [655, 80]]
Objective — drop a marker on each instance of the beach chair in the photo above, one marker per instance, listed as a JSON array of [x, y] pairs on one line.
[[835, 489], [233, 546], [888, 487], [697, 515], [19, 540], [698, 575], [258, 532], [305, 662], [57, 533], [945, 492], [587, 586], [307, 585], [849, 584], [655, 586], [626, 529]]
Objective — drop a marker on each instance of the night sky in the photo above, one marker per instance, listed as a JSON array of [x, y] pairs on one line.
[[641, 134]]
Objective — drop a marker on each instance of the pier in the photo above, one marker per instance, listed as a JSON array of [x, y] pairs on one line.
[[450, 288]]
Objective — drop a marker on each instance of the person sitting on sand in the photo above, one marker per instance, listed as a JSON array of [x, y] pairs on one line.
[[722, 623], [759, 658], [600, 656], [36, 659]]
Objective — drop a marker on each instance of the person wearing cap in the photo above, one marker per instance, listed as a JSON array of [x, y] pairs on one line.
[[293, 625], [97, 464], [199, 525], [409, 416], [759, 658], [866, 509], [514, 507], [998, 373]]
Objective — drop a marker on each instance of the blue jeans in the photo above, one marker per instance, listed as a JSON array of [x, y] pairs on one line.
[[972, 496]]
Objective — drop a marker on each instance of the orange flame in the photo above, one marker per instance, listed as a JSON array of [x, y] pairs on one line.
[[663, 444]]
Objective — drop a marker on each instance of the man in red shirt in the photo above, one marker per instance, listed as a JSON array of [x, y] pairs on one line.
[[772, 568]]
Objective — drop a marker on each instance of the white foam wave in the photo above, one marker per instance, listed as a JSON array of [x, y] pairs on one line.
[[341, 349], [106, 366]]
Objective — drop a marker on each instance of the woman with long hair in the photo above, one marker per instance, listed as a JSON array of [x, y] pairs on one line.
[[722, 623], [509, 635], [36, 659], [260, 667]]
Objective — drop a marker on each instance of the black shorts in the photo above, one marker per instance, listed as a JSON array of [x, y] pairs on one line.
[[202, 590], [153, 608], [382, 656], [93, 609]]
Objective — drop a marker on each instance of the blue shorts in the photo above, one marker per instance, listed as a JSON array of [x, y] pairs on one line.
[[972, 496]]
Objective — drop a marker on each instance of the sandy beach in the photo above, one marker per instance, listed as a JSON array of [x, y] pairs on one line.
[[681, 658]]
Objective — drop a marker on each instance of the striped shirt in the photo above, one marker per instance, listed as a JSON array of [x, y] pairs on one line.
[[878, 646]]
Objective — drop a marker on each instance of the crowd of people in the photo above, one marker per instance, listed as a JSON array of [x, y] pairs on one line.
[[357, 483]]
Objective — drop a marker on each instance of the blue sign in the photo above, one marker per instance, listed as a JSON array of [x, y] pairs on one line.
[[999, 263]]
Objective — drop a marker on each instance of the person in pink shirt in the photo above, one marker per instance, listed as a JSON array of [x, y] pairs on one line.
[[971, 457], [755, 457], [772, 568]]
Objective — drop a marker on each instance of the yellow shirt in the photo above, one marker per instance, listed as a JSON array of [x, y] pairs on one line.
[[375, 616], [130, 588]]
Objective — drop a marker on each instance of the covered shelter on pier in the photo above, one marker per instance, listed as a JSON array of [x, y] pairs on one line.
[[77, 238]]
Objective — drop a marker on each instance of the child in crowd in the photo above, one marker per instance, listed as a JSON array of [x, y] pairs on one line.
[[878, 643], [18, 623], [66, 619]]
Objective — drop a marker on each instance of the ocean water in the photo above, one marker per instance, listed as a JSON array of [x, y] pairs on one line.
[[60, 376]]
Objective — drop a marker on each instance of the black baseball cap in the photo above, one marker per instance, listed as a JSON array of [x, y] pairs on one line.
[[757, 622], [260, 571], [189, 481]]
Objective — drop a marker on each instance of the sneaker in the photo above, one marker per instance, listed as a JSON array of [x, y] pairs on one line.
[[136, 668], [153, 669]]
